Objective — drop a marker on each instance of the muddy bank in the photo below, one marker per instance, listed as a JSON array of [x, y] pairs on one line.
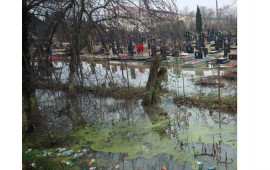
[[227, 104]]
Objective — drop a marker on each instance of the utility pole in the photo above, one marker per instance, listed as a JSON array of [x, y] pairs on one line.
[[216, 9], [219, 84], [216, 14]]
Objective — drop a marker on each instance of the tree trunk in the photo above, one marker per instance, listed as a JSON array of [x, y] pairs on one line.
[[154, 82], [160, 76], [26, 73]]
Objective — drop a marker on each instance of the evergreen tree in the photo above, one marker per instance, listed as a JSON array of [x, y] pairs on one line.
[[198, 20]]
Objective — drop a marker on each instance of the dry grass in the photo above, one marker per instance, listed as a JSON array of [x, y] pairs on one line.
[[227, 104]]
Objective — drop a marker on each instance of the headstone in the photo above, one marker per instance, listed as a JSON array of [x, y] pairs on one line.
[[219, 42], [198, 55], [175, 53], [232, 56], [120, 51], [189, 48], [131, 48], [226, 47], [102, 50], [204, 51], [187, 36], [163, 51], [153, 47], [198, 41], [202, 40], [222, 60]]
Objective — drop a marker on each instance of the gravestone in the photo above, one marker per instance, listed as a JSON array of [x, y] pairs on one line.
[[175, 53], [232, 56], [226, 47], [163, 51], [120, 51], [198, 41], [113, 48], [219, 42], [222, 60], [102, 50], [130, 48], [204, 51], [189, 48], [153, 47], [198, 55], [202, 40], [187, 36]]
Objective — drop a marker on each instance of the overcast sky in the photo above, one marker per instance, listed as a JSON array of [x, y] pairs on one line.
[[192, 4]]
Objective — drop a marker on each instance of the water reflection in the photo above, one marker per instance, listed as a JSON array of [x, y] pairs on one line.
[[160, 132], [97, 74], [162, 135]]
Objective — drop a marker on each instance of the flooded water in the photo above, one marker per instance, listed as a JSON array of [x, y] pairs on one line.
[[137, 76], [124, 134]]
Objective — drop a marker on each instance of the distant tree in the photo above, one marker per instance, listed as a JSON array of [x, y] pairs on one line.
[[198, 20]]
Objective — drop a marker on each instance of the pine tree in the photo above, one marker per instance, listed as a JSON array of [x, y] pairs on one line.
[[198, 20]]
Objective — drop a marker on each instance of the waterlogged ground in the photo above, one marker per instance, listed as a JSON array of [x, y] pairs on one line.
[[137, 75], [123, 134]]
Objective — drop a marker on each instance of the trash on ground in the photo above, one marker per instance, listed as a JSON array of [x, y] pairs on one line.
[[163, 168], [28, 150], [117, 166], [71, 165], [33, 165], [68, 152]]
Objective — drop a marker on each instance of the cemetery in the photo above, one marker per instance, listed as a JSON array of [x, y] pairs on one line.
[[128, 85]]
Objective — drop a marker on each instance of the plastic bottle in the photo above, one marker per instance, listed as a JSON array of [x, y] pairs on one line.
[[200, 166]]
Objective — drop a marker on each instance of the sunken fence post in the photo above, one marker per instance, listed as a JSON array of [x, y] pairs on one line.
[[219, 84]]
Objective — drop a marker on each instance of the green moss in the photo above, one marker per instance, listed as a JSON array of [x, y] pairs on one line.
[[205, 133], [138, 139], [75, 147]]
